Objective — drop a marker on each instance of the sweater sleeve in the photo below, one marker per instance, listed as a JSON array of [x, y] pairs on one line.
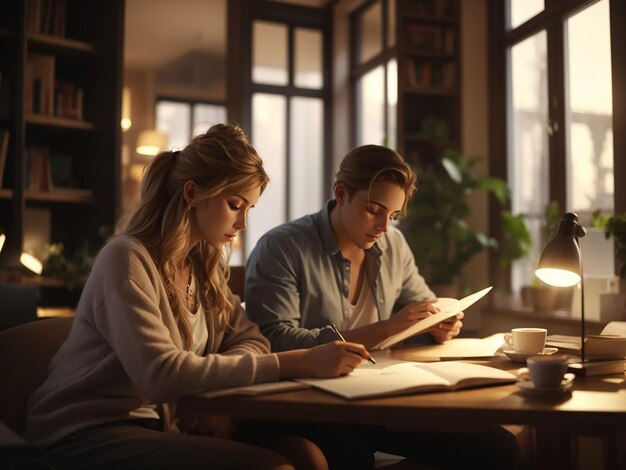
[[242, 335], [130, 319]]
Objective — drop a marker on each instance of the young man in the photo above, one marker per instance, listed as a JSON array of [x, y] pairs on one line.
[[348, 266]]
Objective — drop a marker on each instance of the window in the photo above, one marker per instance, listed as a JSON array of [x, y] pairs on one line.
[[556, 109], [288, 93], [181, 121], [375, 73]]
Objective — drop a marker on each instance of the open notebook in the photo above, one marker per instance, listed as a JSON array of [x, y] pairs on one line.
[[393, 377]]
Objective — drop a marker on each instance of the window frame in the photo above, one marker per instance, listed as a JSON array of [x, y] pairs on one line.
[[358, 70], [191, 103], [501, 39]]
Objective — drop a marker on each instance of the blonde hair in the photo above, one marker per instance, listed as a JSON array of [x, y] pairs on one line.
[[220, 161], [367, 164]]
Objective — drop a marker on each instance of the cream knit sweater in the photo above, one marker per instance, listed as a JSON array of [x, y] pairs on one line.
[[124, 351]]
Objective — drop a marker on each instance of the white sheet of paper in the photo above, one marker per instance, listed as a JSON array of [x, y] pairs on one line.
[[447, 308]]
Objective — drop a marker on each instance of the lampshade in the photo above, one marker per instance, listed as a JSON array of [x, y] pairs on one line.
[[559, 264], [150, 142]]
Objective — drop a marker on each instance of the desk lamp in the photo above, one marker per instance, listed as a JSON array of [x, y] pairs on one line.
[[560, 264]]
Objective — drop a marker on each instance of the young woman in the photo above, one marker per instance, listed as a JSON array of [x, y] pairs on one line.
[[348, 266], [156, 321]]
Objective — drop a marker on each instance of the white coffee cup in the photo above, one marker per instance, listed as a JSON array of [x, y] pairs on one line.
[[547, 371], [526, 340]]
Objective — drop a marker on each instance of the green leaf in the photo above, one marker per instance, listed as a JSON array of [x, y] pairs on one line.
[[453, 170]]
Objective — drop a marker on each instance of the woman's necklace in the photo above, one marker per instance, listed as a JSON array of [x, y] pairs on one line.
[[189, 294]]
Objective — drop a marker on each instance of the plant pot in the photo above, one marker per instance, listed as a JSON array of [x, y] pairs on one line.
[[564, 298], [544, 298], [527, 296]]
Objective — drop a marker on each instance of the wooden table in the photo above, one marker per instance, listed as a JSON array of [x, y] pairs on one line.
[[597, 405]]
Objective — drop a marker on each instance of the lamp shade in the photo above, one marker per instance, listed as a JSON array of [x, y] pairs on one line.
[[150, 142], [559, 264]]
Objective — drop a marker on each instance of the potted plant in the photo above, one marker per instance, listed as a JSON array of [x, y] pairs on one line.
[[436, 228], [615, 227]]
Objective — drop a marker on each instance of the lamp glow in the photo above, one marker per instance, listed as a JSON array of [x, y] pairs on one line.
[[31, 263], [558, 277], [126, 122], [151, 142], [3, 238]]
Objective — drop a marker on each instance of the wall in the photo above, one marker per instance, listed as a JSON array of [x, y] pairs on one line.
[[474, 132]]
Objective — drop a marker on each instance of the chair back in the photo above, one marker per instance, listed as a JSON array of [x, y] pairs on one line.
[[25, 353], [18, 304], [237, 280]]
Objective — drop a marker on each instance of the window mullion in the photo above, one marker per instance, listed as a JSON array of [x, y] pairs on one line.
[[556, 111]]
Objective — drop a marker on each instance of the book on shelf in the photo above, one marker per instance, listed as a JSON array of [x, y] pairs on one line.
[[38, 168], [68, 100], [4, 149], [39, 83], [431, 74], [447, 307], [391, 377], [424, 38], [46, 17]]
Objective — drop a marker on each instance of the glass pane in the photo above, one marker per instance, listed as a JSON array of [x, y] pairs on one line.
[[392, 102], [172, 118], [269, 53], [528, 143], [269, 123], [308, 61], [391, 23], [589, 115], [306, 160], [205, 115], [371, 32], [522, 10], [370, 107]]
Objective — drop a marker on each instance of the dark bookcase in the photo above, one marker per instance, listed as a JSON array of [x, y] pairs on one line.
[[428, 77], [61, 66]]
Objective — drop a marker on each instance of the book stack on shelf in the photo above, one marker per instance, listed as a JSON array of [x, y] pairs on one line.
[[4, 148], [429, 71], [52, 171], [60, 96], [48, 95], [46, 17]]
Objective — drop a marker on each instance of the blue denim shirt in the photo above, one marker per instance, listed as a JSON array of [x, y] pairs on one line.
[[297, 281]]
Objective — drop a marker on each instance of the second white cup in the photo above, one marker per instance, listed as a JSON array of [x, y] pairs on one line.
[[526, 340]]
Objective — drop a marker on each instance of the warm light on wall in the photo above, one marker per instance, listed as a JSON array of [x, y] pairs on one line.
[[151, 142], [126, 120], [31, 263], [3, 238]]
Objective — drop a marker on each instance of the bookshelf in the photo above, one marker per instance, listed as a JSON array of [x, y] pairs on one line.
[[60, 96], [428, 77]]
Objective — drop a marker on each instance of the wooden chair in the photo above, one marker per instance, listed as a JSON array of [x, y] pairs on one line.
[[18, 304], [237, 280]]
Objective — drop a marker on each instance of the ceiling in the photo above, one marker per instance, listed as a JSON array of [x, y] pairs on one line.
[[159, 31]]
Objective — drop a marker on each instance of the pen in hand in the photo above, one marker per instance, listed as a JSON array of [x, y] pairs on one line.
[[371, 359]]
